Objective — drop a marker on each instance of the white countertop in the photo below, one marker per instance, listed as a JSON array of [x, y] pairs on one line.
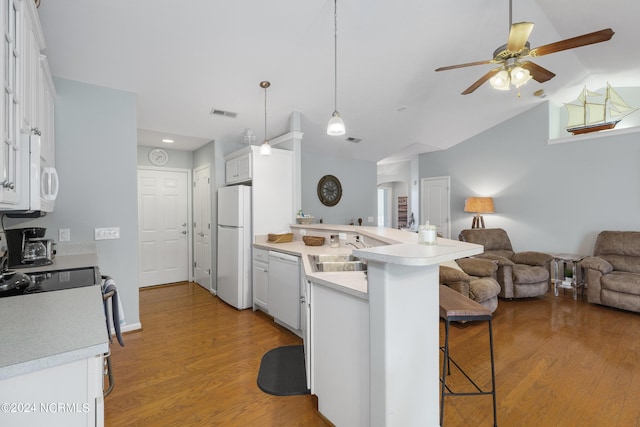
[[400, 247], [38, 330]]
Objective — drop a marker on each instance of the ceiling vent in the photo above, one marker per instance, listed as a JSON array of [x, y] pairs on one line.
[[223, 113], [354, 140]]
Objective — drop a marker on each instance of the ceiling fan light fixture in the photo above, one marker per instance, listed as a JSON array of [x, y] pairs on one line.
[[519, 76], [336, 125], [500, 81]]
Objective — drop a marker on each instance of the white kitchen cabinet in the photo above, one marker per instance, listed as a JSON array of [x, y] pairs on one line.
[[27, 99], [238, 169], [66, 395], [261, 279], [340, 355], [45, 112], [12, 23]]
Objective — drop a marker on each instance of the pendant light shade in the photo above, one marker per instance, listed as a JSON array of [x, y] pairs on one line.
[[336, 124], [265, 148]]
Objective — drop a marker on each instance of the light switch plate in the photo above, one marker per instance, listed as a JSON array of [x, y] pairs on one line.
[[107, 233], [370, 219]]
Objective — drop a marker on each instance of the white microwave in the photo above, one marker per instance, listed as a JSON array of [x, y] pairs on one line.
[[39, 180]]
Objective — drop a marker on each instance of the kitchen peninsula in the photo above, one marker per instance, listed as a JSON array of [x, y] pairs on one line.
[[373, 339]]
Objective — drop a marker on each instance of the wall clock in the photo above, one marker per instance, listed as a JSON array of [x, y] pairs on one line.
[[158, 156], [329, 190]]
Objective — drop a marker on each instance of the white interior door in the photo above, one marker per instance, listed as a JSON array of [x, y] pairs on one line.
[[163, 236], [202, 226], [434, 204]]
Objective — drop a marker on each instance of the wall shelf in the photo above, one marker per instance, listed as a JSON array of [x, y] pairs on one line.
[[594, 135]]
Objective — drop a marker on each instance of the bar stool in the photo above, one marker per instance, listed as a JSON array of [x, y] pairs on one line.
[[456, 307]]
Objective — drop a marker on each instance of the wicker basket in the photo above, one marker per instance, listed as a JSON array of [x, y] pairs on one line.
[[313, 240], [304, 219], [280, 238]]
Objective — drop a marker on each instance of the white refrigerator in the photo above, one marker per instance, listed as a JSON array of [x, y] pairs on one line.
[[234, 284]]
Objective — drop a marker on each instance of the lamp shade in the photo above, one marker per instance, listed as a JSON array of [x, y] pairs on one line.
[[265, 148], [519, 76], [500, 81], [336, 125], [479, 205]]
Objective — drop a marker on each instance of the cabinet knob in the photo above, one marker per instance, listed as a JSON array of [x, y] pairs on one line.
[[8, 184], [184, 231], [36, 131]]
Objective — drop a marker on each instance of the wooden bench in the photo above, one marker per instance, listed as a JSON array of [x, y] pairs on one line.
[[455, 307]]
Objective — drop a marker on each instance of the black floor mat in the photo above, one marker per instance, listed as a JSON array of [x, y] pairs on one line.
[[282, 371]]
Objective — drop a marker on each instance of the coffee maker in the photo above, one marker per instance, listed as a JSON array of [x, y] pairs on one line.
[[27, 247]]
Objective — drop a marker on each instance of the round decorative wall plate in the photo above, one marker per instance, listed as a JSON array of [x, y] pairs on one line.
[[329, 190]]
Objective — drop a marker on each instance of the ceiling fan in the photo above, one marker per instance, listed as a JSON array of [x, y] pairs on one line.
[[512, 69]]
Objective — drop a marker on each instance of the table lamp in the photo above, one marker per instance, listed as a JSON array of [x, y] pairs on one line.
[[478, 205]]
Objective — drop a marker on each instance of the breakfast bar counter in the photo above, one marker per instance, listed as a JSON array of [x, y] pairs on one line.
[[374, 337]]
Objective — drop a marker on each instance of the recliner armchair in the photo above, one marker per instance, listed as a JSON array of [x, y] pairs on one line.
[[473, 278], [521, 274], [613, 272]]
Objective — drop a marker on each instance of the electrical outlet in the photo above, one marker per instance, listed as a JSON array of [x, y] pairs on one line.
[[370, 219], [106, 233], [64, 235]]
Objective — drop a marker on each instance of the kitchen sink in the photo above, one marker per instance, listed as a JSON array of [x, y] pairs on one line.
[[331, 262]]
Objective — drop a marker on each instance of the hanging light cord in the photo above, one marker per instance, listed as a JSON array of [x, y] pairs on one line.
[[335, 54], [265, 113]]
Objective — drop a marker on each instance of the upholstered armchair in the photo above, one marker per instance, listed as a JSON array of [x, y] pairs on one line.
[[473, 278], [612, 274], [520, 274]]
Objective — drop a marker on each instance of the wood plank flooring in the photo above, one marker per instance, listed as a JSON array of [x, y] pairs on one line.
[[559, 362], [195, 363]]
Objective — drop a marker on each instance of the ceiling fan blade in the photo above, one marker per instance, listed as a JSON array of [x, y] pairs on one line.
[[583, 40], [481, 80], [518, 36], [468, 64], [538, 73]]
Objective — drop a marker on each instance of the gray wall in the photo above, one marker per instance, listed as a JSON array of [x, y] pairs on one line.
[[553, 198], [359, 191], [95, 157]]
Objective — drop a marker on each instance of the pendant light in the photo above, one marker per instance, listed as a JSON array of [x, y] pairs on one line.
[[336, 125], [265, 148]]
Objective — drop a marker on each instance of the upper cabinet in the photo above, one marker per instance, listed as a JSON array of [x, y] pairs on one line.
[[28, 97], [238, 167]]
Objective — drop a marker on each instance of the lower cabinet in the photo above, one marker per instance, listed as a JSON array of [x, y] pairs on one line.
[[340, 355], [261, 279], [67, 395]]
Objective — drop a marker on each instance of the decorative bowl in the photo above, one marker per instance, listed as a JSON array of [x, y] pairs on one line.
[[304, 219]]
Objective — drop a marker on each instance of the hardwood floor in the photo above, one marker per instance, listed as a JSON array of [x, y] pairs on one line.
[[195, 363], [559, 362]]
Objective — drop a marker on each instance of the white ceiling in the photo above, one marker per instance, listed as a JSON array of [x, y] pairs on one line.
[[184, 58]]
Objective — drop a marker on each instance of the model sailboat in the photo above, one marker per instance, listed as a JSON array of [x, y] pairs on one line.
[[586, 115]]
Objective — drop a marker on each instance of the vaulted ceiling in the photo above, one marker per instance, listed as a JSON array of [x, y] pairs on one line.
[[183, 59]]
